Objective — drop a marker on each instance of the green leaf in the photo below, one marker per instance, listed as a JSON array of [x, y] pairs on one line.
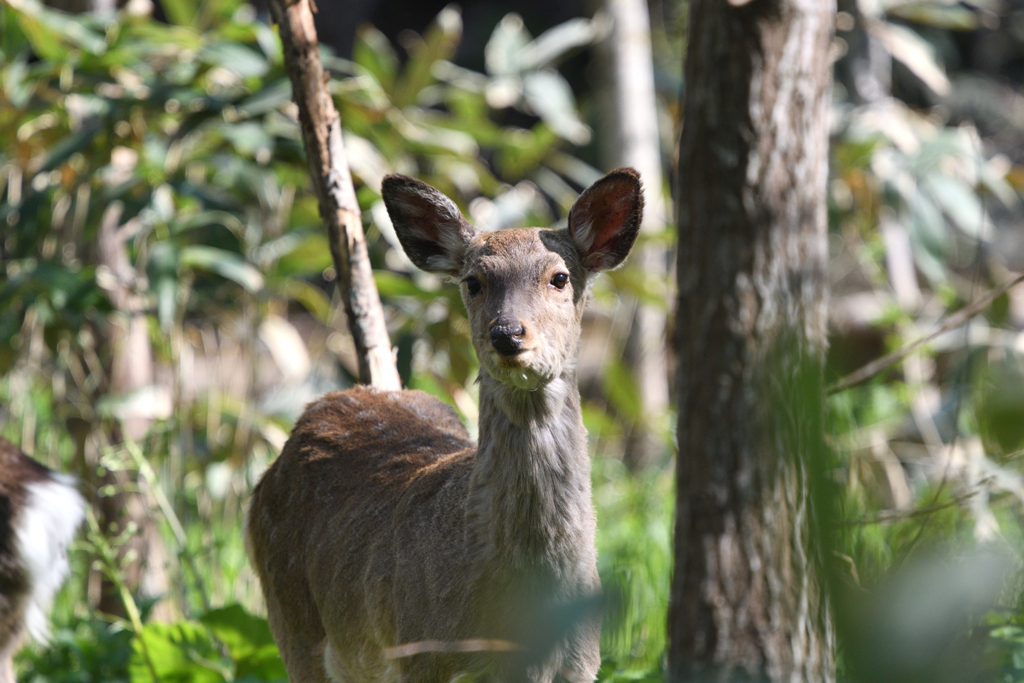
[[312, 298], [927, 226], [241, 632], [267, 39], [181, 12], [14, 45], [551, 98], [269, 98], [50, 32], [958, 201], [248, 640], [224, 263], [937, 14], [392, 284], [247, 137], [503, 53], [236, 57], [622, 391], [176, 653], [373, 52], [440, 42], [309, 257], [555, 42]]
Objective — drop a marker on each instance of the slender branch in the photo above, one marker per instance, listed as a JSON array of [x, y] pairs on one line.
[[955, 320], [328, 166], [886, 516]]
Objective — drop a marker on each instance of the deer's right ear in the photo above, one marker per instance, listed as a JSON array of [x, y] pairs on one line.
[[429, 225], [605, 220]]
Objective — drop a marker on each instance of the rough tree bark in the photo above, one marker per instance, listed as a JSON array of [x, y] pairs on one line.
[[632, 140], [328, 166], [747, 600]]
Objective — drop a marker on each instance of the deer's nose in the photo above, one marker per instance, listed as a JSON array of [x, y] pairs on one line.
[[507, 337]]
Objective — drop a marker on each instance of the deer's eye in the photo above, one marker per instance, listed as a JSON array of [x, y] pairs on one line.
[[472, 285], [559, 280]]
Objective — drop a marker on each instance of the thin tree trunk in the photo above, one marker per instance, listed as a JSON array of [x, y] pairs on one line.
[[328, 166], [131, 368], [747, 599], [633, 140]]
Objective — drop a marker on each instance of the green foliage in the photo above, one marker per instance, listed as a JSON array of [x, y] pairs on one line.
[[86, 651], [928, 449], [635, 516], [226, 644]]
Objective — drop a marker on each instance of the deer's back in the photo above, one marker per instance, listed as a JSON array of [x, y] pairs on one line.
[[375, 472]]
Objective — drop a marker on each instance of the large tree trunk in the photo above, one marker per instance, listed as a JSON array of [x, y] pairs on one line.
[[747, 596]]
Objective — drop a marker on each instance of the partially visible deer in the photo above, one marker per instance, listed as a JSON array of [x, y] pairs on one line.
[[381, 524], [40, 510]]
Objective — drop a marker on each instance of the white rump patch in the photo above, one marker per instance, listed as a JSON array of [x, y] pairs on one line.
[[53, 512]]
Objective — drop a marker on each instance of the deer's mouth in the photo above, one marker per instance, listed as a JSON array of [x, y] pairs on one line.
[[518, 371], [517, 362]]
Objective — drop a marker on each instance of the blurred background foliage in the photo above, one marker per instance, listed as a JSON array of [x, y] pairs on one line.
[[152, 179]]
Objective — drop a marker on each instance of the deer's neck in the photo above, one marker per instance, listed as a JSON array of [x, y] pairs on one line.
[[529, 502]]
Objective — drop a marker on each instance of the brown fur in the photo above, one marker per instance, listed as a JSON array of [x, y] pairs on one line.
[[381, 524]]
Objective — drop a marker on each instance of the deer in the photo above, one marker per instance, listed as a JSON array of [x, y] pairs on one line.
[[382, 526], [40, 511]]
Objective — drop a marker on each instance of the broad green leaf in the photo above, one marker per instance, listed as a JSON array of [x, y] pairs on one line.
[[997, 183], [551, 98], [224, 263], [417, 128], [958, 201], [166, 300], [308, 257], [71, 144], [176, 653], [313, 299], [247, 137], [268, 41], [917, 54], [929, 250], [14, 43], [236, 57], [270, 97], [242, 633], [373, 52], [181, 12], [439, 42], [50, 31], [620, 387], [503, 53], [205, 219], [392, 284], [549, 46], [927, 224], [939, 15]]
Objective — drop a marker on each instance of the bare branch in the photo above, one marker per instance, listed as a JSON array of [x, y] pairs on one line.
[[955, 320], [328, 166]]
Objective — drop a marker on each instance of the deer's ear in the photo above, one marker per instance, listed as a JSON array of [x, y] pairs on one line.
[[605, 220], [430, 227]]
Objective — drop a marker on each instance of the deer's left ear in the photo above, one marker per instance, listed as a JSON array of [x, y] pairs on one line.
[[605, 220]]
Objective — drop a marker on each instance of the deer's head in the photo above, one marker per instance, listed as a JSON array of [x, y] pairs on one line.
[[523, 287]]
